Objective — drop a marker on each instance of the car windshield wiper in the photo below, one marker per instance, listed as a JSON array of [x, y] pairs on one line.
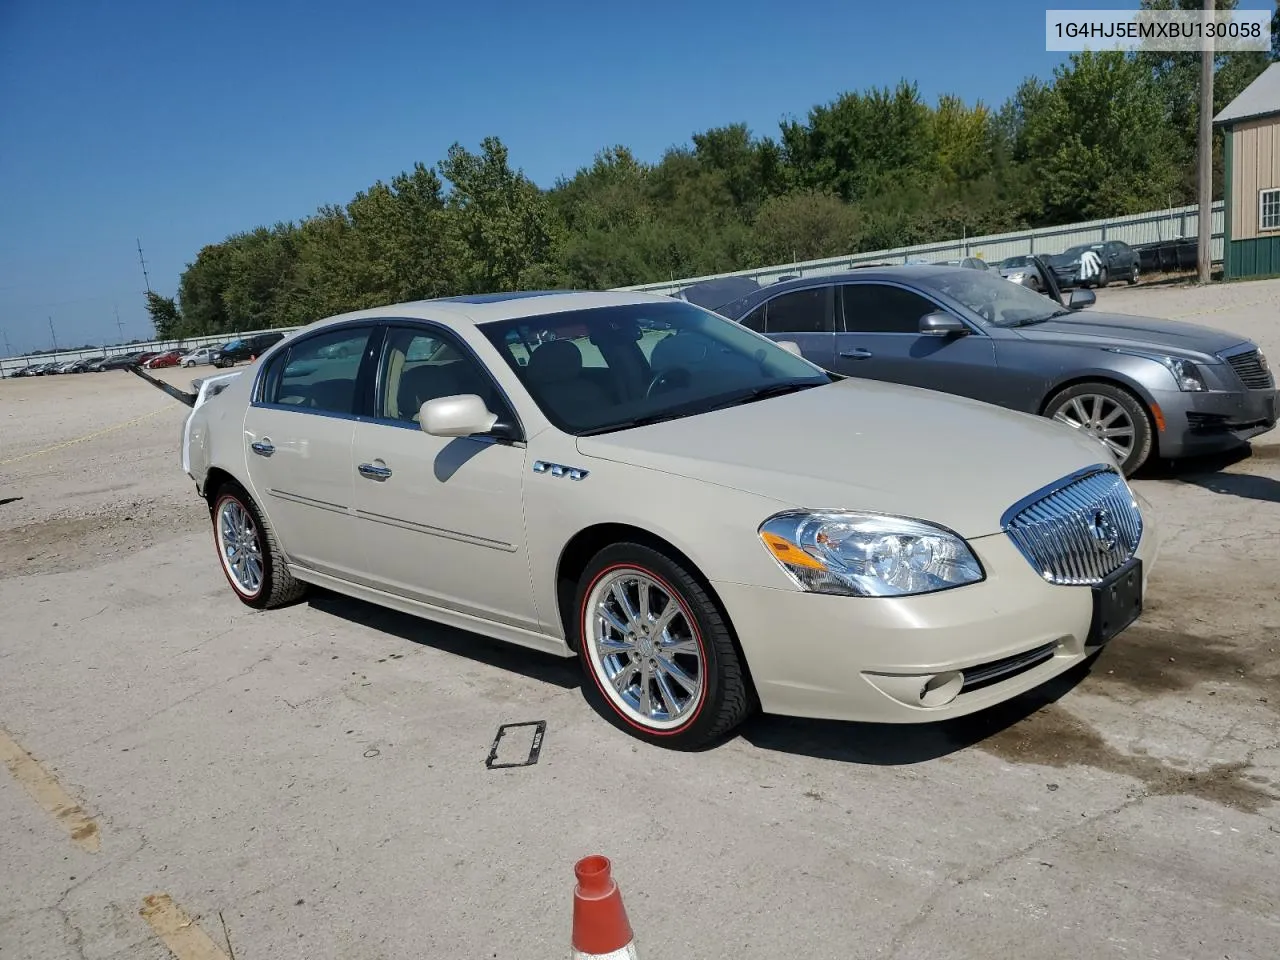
[[637, 422], [702, 406], [1045, 319], [767, 391]]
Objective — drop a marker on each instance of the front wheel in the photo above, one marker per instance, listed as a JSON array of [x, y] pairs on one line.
[[247, 549], [658, 650], [1112, 415]]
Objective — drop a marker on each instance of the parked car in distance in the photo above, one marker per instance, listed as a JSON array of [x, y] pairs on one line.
[[1021, 269], [1118, 261], [197, 357], [971, 263], [1144, 387], [677, 501], [234, 351], [166, 359]]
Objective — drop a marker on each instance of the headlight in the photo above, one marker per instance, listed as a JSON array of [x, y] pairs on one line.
[[868, 555], [1185, 373], [1017, 277]]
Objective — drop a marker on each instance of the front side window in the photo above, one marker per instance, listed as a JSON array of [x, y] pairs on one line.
[[1269, 209], [881, 308], [319, 373], [611, 368], [418, 365]]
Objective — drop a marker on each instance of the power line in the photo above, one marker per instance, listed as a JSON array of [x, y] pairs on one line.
[[146, 279]]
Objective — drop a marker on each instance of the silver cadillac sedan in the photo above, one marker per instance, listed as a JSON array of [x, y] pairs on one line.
[[711, 524]]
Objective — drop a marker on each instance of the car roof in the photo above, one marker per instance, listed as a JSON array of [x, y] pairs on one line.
[[475, 309], [908, 273]]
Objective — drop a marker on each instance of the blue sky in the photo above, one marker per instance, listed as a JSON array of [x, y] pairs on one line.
[[180, 123]]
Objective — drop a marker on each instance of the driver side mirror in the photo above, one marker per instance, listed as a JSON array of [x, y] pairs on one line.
[[1081, 297], [941, 324], [790, 346], [458, 416]]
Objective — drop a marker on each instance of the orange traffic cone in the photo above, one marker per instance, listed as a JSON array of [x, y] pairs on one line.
[[600, 926]]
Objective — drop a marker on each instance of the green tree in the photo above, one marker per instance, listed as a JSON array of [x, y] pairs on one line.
[[1098, 141], [164, 316]]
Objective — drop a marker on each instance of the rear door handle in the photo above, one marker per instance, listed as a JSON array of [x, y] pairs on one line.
[[858, 354], [264, 448], [374, 472]]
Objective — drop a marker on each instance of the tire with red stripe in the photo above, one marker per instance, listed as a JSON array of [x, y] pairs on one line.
[[248, 551], [657, 651]]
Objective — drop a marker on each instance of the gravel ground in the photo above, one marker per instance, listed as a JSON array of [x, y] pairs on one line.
[[310, 782]]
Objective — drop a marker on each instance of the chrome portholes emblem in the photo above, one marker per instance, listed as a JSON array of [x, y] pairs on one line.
[[1104, 531], [559, 470]]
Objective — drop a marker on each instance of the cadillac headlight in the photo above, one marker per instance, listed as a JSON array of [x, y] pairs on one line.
[[868, 555], [1185, 373]]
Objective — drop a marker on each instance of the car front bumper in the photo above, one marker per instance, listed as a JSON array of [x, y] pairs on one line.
[[1212, 421], [868, 659]]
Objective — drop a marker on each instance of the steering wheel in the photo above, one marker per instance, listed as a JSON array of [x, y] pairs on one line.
[[668, 379]]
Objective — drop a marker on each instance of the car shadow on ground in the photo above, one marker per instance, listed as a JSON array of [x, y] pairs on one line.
[[877, 744], [1210, 473], [892, 744], [534, 664]]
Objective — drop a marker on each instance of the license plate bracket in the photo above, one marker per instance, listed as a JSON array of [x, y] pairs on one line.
[[1117, 603]]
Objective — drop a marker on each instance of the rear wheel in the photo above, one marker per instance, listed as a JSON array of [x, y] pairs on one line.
[[1111, 414], [1133, 274], [248, 552], [657, 649]]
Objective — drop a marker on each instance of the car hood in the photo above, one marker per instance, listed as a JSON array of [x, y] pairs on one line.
[[1187, 341], [865, 445]]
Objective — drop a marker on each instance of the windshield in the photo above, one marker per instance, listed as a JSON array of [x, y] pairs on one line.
[[1016, 262], [996, 300], [610, 368], [1075, 253]]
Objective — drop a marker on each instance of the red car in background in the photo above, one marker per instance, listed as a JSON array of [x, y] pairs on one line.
[[169, 359]]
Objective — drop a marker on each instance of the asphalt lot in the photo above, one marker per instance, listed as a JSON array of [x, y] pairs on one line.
[[310, 782]]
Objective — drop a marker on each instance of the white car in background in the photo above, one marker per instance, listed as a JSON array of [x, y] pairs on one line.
[[199, 356], [708, 522]]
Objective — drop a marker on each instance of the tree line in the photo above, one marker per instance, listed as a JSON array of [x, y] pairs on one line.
[[1110, 134]]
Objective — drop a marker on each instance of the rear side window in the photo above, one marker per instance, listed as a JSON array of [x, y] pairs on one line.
[[319, 373], [802, 311]]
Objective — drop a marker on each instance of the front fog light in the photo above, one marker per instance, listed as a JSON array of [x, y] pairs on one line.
[[868, 555]]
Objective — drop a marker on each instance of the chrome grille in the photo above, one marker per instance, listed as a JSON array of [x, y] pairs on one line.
[[1079, 529], [1252, 370]]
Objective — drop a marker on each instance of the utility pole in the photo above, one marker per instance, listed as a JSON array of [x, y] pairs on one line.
[[119, 325], [55, 338], [147, 280], [1204, 217]]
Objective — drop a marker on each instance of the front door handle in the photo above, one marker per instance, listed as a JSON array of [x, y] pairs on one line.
[[264, 447], [858, 354], [373, 471]]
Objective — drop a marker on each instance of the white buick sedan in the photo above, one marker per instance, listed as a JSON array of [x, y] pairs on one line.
[[709, 523]]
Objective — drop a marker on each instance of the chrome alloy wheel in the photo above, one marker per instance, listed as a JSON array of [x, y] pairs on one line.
[[1103, 418], [239, 547], [642, 644]]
